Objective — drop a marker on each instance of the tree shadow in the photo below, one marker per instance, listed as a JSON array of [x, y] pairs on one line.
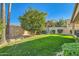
[[46, 46]]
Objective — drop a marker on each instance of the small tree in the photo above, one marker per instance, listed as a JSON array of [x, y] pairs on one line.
[[50, 23], [33, 20], [61, 23]]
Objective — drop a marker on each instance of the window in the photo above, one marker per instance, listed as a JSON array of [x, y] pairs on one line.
[[53, 31], [60, 30]]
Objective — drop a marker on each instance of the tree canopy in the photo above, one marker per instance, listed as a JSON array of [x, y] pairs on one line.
[[54, 23], [33, 20], [61, 23], [50, 23]]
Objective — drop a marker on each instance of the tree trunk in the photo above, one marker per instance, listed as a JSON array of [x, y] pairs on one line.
[[4, 23], [8, 23], [35, 32]]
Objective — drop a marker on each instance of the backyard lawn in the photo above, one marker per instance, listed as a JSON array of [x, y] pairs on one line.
[[38, 45]]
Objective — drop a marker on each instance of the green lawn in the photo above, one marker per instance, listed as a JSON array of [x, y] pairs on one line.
[[39, 45]]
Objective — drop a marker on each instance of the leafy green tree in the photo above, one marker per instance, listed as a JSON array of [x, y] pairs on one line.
[[50, 23], [33, 20], [61, 23], [54, 23]]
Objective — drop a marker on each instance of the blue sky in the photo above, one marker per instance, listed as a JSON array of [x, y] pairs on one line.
[[55, 10]]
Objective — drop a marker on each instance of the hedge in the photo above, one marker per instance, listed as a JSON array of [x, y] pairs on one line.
[[70, 49]]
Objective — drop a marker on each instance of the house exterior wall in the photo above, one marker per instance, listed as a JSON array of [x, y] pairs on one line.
[[75, 20], [76, 12], [66, 30], [76, 26]]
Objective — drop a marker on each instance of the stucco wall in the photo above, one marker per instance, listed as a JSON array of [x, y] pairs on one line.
[[66, 30]]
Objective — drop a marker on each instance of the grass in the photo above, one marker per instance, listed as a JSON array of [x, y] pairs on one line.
[[70, 49], [39, 45]]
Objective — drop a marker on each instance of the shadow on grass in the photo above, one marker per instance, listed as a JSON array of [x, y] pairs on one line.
[[47, 46]]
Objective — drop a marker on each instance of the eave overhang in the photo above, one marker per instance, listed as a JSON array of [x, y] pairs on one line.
[[75, 15]]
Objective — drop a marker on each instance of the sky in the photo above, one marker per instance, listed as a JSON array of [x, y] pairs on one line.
[[55, 11]]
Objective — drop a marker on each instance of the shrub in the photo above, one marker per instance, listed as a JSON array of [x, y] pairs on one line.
[[71, 49]]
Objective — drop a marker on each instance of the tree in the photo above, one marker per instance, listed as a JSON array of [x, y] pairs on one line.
[[3, 22], [33, 20], [61, 23], [50, 23], [8, 22]]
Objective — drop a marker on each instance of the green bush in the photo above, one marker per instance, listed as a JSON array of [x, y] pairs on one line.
[[70, 49]]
